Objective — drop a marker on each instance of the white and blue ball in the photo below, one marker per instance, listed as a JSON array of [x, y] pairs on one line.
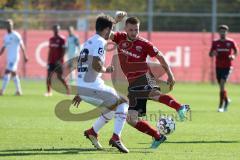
[[166, 125]]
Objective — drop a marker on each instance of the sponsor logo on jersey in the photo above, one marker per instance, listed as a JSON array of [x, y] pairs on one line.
[[222, 49], [89, 42], [139, 48], [54, 45], [129, 53]]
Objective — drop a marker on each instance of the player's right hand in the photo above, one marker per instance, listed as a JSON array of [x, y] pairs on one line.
[[231, 57], [76, 101], [120, 15]]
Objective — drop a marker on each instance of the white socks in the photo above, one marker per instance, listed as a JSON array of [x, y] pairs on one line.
[[17, 84], [6, 79], [120, 118], [102, 120]]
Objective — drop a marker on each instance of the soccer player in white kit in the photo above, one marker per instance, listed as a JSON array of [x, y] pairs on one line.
[[12, 42], [72, 48], [92, 88]]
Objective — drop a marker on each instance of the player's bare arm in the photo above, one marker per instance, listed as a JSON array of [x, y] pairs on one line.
[[119, 17], [234, 55], [2, 50], [163, 62], [24, 52], [98, 66]]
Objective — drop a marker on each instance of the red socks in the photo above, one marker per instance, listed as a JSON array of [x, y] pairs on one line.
[[144, 127], [169, 101], [115, 137]]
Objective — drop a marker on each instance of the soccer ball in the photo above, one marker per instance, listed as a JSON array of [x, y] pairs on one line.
[[166, 125]]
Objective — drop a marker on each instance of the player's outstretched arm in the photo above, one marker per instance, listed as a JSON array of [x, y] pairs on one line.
[[120, 15], [118, 18], [163, 62]]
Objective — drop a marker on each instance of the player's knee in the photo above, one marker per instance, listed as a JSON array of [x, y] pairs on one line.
[[59, 76], [13, 74], [107, 116], [155, 94], [121, 111], [122, 108], [122, 100], [131, 122], [132, 117]]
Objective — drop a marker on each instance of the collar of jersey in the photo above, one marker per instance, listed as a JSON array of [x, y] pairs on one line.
[[132, 40]]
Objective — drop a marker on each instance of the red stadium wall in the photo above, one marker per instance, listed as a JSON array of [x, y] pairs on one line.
[[186, 52]]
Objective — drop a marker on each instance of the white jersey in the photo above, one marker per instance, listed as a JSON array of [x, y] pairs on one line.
[[12, 43], [87, 76], [72, 46]]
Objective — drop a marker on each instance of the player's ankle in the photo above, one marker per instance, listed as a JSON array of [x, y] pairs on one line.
[[92, 132], [157, 136], [115, 137]]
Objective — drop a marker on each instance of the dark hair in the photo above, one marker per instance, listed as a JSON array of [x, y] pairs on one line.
[[103, 21], [132, 20], [56, 26], [223, 26]]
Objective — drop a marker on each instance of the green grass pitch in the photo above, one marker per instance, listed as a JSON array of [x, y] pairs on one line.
[[29, 129]]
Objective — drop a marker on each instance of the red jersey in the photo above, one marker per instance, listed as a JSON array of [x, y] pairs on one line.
[[56, 49], [133, 55], [224, 49]]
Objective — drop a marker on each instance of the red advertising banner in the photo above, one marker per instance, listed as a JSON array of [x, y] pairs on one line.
[[186, 52]]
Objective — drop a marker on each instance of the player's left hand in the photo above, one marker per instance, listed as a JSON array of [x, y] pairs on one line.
[[76, 100], [120, 15], [231, 57], [109, 69]]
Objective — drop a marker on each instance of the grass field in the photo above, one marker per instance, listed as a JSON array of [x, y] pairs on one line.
[[29, 129]]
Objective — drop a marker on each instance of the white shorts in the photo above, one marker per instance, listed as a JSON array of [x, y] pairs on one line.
[[100, 96], [12, 66]]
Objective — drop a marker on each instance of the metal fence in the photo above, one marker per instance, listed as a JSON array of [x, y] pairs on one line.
[[203, 18]]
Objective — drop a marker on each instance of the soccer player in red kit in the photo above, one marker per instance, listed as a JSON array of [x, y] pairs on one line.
[[225, 50], [55, 58], [132, 52]]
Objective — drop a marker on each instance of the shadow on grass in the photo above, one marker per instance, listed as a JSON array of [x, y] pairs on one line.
[[50, 151], [197, 142], [62, 151]]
